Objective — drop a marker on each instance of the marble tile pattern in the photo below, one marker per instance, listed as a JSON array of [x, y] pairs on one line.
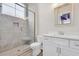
[[10, 34]]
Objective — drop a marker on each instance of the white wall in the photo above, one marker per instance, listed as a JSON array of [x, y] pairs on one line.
[[47, 21], [45, 18]]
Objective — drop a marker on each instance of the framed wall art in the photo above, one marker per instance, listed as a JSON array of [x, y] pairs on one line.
[[64, 14]]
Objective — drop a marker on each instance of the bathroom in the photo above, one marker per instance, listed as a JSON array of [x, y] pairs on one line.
[[26, 29]]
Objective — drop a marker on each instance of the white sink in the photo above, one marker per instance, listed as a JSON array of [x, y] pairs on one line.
[[62, 35]]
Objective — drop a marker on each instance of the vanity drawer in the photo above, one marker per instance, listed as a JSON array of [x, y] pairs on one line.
[[60, 41], [74, 44], [47, 38]]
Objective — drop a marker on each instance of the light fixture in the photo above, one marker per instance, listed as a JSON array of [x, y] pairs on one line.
[[57, 4]]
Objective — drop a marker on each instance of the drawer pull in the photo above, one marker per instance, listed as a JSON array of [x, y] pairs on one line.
[[76, 45], [46, 39]]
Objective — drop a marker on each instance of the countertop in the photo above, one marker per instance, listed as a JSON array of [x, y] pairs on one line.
[[65, 36]]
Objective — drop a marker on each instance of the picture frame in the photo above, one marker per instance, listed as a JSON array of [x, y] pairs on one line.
[[63, 14]]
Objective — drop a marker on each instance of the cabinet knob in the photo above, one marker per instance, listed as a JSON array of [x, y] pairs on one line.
[[57, 50], [77, 45]]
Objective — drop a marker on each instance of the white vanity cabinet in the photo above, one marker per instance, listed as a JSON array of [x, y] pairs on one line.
[[69, 52], [49, 47], [58, 46]]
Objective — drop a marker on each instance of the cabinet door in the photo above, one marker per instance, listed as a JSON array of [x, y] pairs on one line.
[[69, 52], [50, 48]]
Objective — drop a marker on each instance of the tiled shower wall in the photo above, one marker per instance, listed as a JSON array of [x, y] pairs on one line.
[[12, 31]]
